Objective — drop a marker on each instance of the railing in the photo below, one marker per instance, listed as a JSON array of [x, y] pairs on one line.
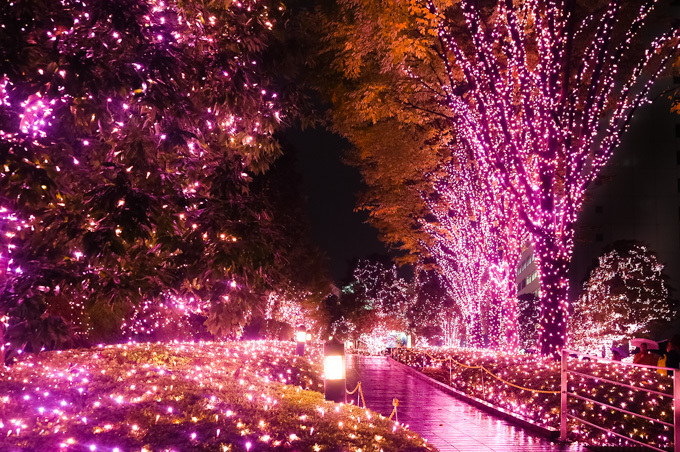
[[564, 413]]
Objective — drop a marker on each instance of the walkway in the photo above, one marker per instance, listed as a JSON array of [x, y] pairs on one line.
[[445, 421]]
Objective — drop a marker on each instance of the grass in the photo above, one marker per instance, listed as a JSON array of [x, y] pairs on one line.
[[209, 396]]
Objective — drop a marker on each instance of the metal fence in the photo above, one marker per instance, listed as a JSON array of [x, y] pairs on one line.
[[565, 394]]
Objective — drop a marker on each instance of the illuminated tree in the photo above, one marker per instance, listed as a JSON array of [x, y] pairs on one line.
[[293, 308], [624, 294], [538, 93], [343, 329], [475, 242], [430, 304], [378, 300], [423, 189], [130, 131]]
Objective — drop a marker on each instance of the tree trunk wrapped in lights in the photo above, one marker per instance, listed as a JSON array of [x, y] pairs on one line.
[[538, 91], [475, 241]]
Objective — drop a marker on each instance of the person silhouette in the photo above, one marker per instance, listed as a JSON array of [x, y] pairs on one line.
[[644, 356]]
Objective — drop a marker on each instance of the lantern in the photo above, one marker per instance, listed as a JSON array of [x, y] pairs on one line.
[[309, 336], [300, 338], [334, 371]]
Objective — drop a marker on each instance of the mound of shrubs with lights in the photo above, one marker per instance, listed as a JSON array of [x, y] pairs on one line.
[[206, 396], [591, 380]]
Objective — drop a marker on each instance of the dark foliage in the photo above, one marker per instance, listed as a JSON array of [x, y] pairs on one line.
[[130, 132]]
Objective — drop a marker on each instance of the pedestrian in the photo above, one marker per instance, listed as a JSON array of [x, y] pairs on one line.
[[672, 356], [644, 356]]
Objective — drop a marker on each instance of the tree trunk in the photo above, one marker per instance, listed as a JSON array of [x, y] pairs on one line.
[[509, 339], [509, 313], [494, 322], [553, 262]]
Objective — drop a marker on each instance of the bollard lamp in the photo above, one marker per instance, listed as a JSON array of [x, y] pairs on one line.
[[300, 339], [334, 371]]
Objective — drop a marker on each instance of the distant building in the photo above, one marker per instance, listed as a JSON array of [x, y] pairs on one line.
[[527, 272]]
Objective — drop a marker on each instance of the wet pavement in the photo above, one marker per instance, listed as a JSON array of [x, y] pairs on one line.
[[444, 420]]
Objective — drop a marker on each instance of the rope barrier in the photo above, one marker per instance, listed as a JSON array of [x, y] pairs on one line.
[[354, 390], [361, 393], [451, 360], [395, 401]]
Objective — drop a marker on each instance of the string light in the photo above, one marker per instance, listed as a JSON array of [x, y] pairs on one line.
[[543, 373], [231, 396], [624, 294], [536, 125]]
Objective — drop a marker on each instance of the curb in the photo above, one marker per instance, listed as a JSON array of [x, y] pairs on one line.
[[550, 433]]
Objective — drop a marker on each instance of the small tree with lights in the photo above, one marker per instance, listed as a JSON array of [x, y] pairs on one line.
[[381, 301], [624, 295]]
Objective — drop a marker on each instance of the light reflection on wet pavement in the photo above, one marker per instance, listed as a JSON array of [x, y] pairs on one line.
[[445, 421]]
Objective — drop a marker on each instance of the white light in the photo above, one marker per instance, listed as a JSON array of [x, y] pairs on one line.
[[300, 336], [333, 368]]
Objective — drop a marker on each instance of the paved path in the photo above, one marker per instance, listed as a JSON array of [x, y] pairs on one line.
[[445, 421]]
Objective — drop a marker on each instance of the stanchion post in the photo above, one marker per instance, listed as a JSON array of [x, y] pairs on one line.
[[563, 393], [676, 411]]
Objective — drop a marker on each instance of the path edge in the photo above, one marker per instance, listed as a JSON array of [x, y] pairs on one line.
[[550, 433]]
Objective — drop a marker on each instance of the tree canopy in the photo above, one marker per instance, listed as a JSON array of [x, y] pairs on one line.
[[130, 134], [522, 101]]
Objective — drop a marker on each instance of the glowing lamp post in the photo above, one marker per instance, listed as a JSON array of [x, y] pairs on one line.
[[309, 336], [300, 338], [334, 371]]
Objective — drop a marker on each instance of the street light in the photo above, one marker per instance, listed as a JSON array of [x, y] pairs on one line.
[[334, 371], [300, 338]]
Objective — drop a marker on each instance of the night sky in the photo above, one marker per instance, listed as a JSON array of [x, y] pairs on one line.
[[330, 188]]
